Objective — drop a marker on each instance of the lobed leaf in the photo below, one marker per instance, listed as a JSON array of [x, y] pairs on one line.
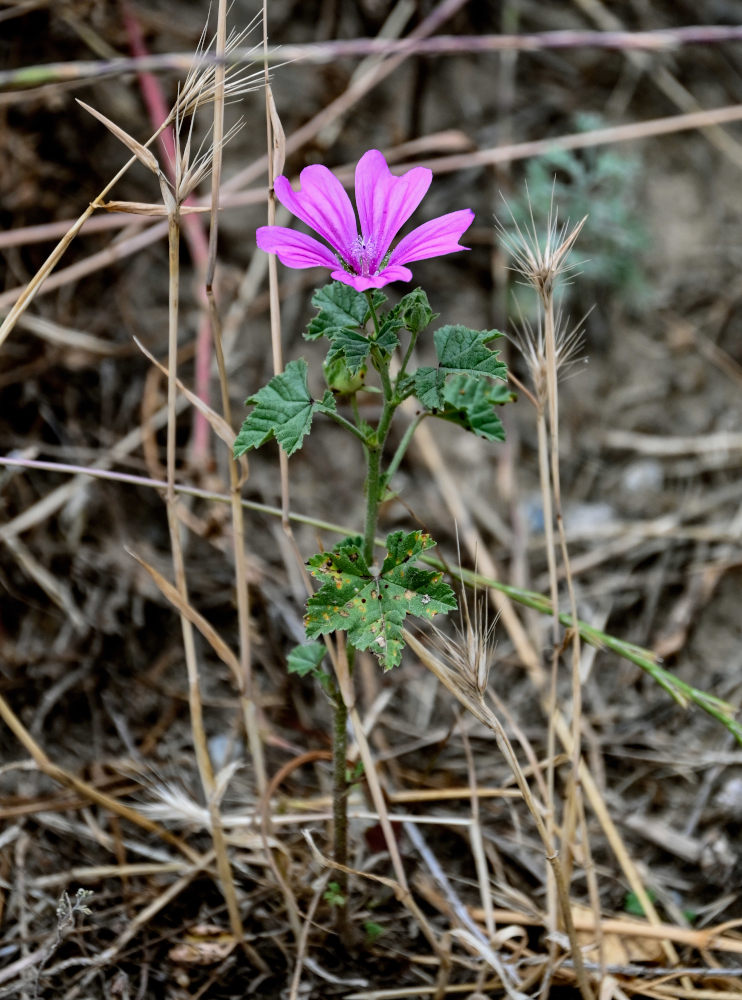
[[372, 608], [471, 403], [349, 346], [303, 660], [307, 659], [283, 409], [340, 307], [460, 351], [354, 347]]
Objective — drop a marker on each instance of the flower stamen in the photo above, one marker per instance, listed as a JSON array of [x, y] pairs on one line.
[[362, 252]]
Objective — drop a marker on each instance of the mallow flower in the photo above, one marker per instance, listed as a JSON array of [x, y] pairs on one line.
[[384, 202]]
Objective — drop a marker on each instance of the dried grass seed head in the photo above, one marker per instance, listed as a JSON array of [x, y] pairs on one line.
[[569, 342], [200, 86], [540, 263], [190, 169], [470, 651]]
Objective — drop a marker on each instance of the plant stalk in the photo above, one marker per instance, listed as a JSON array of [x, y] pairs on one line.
[[375, 484], [375, 449], [340, 806], [198, 730]]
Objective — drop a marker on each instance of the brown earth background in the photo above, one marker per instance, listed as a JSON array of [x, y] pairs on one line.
[[92, 661]]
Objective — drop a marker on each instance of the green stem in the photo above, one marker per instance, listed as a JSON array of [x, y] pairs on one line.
[[377, 359], [356, 410], [679, 690], [375, 449], [375, 482], [347, 425], [382, 367], [373, 497], [374, 317], [404, 444], [408, 354]]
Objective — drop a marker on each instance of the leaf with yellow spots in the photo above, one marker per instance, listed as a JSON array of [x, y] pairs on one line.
[[370, 608]]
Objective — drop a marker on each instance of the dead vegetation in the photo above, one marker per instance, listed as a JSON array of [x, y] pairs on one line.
[[165, 786]]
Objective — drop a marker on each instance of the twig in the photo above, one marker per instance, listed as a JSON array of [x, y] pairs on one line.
[[585, 140], [246, 688], [661, 40], [477, 845], [666, 446], [345, 685], [19, 298], [306, 927], [292, 909], [663, 79], [350, 97]]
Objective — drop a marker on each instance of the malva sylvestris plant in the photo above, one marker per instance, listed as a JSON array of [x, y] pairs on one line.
[[367, 598]]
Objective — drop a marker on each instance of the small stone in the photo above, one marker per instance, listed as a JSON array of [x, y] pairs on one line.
[[729, 798]]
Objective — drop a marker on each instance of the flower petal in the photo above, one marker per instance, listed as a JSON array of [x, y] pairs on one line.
[[386, 202], [294, 249], [323, 204], [434, 238], [362, 284]]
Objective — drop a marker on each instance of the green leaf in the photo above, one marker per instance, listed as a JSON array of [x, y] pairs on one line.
[[388, 341], [303, 660], [333, 895], [354, 774], [306, 659], [429, 385], [370, 608], [632, 905], [414, 311], [354, 347], [326, 404], [470, 403], [283, 409], [460, 351], [349, 346], [372, 930], [340, 307], [405, 386]]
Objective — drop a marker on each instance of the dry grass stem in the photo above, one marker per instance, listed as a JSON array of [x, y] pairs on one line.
[[531, 660], [345, 685], [238, 471], [468, 695], [172, 199]]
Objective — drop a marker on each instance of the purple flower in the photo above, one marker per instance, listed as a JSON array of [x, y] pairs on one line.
[[385, 203]]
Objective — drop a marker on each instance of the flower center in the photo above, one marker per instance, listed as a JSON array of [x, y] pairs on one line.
[[362, 254]]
